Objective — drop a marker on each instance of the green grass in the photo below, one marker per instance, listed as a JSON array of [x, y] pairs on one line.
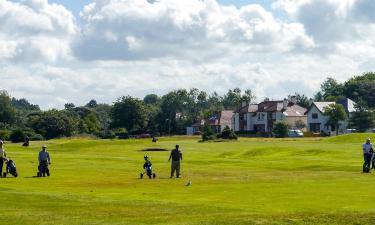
[[251, 181]]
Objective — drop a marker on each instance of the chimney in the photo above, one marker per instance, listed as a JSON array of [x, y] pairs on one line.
[[285, 103], [311, 101]]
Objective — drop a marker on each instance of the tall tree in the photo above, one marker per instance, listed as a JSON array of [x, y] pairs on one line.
[[361, 88], [331, 88], [92, 104], [7, 111], [248, 96], [129, 113], [302, 100], [335, 114], [363, 118], [53, 123], [151, 99]]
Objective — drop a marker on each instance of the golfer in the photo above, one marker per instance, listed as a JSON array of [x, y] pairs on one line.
[[367, 155], [3, 156], [176, 157], [44, 156]]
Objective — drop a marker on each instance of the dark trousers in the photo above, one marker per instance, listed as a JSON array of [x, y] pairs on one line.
[[1, 166], [367, 160], [175, 166]]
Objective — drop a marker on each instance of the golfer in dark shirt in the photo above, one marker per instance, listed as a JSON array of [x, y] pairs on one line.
[[176, 157]]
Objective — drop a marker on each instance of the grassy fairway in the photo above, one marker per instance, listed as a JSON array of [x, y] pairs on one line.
[[252, 181]]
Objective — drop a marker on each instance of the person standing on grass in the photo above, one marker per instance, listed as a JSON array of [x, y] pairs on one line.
[[176, 157], [368, 150], [3, 156], [44, 156]]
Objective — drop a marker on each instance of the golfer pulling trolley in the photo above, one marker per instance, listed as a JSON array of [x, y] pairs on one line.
[[44, 161], [368, 151]]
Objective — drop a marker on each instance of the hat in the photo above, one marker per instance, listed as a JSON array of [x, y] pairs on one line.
[[1, 142], [44, 146], [368, 139]]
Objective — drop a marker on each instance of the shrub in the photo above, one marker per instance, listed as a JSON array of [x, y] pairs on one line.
[[4, 135], [280, 130], [208, 133], [36, 137], [107, 134], [227, 133], [17, 136]]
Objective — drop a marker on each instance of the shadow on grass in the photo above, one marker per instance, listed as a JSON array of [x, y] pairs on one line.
[[154, 150]]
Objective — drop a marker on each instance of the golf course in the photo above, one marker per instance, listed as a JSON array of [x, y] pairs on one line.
[[249, 181]]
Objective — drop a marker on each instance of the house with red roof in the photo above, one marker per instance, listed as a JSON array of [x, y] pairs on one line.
[[262, 117], [217, 122]]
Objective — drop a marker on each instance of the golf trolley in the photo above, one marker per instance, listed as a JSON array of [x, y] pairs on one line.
[[148, 169], [10, 168], [148, 172], [43, 169]]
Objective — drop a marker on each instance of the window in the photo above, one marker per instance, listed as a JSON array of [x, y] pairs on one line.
[[315, 115]]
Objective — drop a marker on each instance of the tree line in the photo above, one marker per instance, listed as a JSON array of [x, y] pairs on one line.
[[161, 115]]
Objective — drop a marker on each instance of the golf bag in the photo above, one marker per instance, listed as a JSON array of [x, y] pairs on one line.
[[43, 169], [10, 168], [148, 171]]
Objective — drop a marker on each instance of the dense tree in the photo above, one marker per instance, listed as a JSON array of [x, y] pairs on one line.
[[335, 114], [361, 88], [53, 123], [130, 113], [7, 111], [331, 88], [171, 114], [151, 99], [302, 100], [363, 118], [92, 104], [69, 106], [24, 105]]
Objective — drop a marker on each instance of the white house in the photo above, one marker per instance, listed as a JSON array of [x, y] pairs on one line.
[[262, 117], [318, 123]]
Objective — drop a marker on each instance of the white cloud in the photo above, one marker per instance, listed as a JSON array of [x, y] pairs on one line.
[[186, 29], [136, 47], [34, 30]]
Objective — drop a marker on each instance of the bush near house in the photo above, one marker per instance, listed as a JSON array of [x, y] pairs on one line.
[[280, 130], [227, 133]]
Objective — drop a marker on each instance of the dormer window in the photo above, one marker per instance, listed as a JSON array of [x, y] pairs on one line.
[[314, 115]]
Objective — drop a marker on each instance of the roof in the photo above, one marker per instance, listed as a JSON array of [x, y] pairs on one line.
[[226, 118], [349, 105], [295, 110], [271, 106], [248, 108], [321, 105]]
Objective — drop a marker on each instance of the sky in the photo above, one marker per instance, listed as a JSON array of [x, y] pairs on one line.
[[61, 51]]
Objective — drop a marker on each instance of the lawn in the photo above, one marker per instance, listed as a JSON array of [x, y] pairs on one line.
[[251, 181]]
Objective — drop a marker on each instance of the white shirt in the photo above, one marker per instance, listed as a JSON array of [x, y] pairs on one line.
[[2, 153], [367, 148]]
